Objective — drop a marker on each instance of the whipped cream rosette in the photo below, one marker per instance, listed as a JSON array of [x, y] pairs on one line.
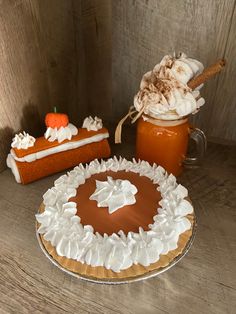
[[92, 124], [23, 141], [114, 193]]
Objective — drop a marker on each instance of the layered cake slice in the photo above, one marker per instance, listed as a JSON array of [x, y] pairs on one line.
[[63, 146]]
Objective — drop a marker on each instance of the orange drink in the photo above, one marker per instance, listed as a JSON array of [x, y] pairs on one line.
[[166, 142]]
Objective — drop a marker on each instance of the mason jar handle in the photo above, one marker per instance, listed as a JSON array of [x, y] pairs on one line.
[[201, 145]]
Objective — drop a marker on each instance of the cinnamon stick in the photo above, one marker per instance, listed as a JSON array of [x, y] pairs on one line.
[[207, 74]]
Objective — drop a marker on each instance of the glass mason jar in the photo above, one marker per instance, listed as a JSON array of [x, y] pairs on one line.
[[165, 143]]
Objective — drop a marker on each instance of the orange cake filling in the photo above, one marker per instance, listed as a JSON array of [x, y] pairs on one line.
[[63, 160], [127, 218]]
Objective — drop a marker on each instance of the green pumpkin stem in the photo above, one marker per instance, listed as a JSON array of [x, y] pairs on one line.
[[55, 109]]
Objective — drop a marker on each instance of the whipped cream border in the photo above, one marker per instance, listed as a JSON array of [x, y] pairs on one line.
[[62, 227], [60, 148]]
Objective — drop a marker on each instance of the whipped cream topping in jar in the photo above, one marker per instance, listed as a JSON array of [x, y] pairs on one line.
[[164, 102], [164, 93], [167, 96]]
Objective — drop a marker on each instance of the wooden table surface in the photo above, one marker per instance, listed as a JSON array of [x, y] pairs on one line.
[[204, 281]]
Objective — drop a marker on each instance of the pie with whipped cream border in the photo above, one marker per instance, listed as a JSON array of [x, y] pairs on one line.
[[117, 256]]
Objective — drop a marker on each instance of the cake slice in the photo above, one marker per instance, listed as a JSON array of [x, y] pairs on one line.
[[63, 146]]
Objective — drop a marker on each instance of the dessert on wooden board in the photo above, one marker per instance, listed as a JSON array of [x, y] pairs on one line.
[[115, 219], [63, 146]]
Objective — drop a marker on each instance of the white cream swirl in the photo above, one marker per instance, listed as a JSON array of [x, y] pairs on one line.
[[164, 92], [92, 124], [62, 227], [23, 141], [61, 134], [114, 194]]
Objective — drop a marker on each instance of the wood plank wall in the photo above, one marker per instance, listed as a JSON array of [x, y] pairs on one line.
[[146, 30], [52, 53], [88, 56]]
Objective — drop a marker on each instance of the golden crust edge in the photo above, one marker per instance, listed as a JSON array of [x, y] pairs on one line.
[[101, 273]]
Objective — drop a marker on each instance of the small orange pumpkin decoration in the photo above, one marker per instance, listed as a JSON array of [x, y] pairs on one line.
[[56, 120]]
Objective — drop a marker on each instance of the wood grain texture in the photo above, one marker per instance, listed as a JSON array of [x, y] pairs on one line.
[[223, 114], [36, 65], [203, 282], [145, 31], [96, 30], [59, 31], [22, 78]]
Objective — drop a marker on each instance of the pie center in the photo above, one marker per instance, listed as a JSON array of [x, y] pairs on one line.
[[128, 217]]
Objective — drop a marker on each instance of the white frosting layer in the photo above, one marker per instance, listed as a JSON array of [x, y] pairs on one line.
[[164, 92], [60, 148], [114, 194], [23, 141], [61, 134], [62, 227], [12, 165], [92, 124]]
